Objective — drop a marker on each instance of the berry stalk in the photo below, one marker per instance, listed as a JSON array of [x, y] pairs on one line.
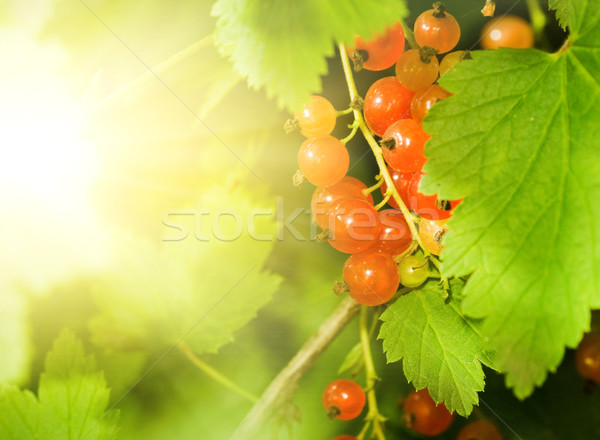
[[374, 419]]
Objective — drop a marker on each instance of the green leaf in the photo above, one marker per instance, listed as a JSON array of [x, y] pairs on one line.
[[281, 45], [354, 359], [14, 336], [71, 403], [439, 348], [562, 11], [519, 141], [202, 285]]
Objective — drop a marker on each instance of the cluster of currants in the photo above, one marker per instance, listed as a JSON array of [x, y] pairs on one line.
[[382, 242]]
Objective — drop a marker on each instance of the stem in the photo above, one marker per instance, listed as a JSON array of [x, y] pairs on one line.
[[352, 133], [281, 389], [214, 374], [150, 74], [374, 418], [409, 35], [370, 189], [538, 19], [411, 219], [343, 112]]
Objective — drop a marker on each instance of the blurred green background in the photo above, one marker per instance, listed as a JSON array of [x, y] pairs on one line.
[[96, 148]]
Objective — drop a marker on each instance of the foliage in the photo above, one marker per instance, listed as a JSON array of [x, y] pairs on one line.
[[517, 141], [439, 349], [266, 39], [71, 402]]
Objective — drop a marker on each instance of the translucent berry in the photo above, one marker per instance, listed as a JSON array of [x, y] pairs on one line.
[[479, 430], [422, 415], [437, 29], [507, 31], [381, 52], [323, 160], [416, 71], [344, 399], [425, 99], [353, 225], [317, 118], [372, 277], [324, 198], [386, 102]]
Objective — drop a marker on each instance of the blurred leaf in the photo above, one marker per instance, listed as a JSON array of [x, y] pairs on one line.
[[71, 403], [281, 45], [14, 336], [439, 348], [207, 278], [353, 360]]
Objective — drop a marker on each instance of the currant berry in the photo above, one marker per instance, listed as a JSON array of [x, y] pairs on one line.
[[323, 160], [431, 233], [452, 59], [429, 207], [425, 99], [372, 277], [423, 416], [416, 70], [353, 224], [345, 437], [587, 358], [323, 199], [381, 52], [394, 233], [507, 31], [404, 146], [437, 29], [386, 102], [413, 271], [344, 399], [479, 430], [401, 181], [317, 117]]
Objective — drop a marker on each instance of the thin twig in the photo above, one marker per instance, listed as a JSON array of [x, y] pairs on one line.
[[284, 385]]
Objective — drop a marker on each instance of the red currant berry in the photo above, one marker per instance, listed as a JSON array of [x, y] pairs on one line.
[[344, 399], [381, 52], [507, 31], [415, 71], [425, 99], [323, 199], [429, 207], [479, 430], [422, 415], [437, 29], [432, 233], [394, 233], [353, 225], [317, 118], [345, 437], [587, 358], [401, 181], [323, 160], [386, 102], [372, 277], [404, 146]]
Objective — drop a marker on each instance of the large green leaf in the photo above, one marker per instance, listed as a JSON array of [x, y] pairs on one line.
[[281, 45], [519, 141], [71, 402], [439, 348]]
